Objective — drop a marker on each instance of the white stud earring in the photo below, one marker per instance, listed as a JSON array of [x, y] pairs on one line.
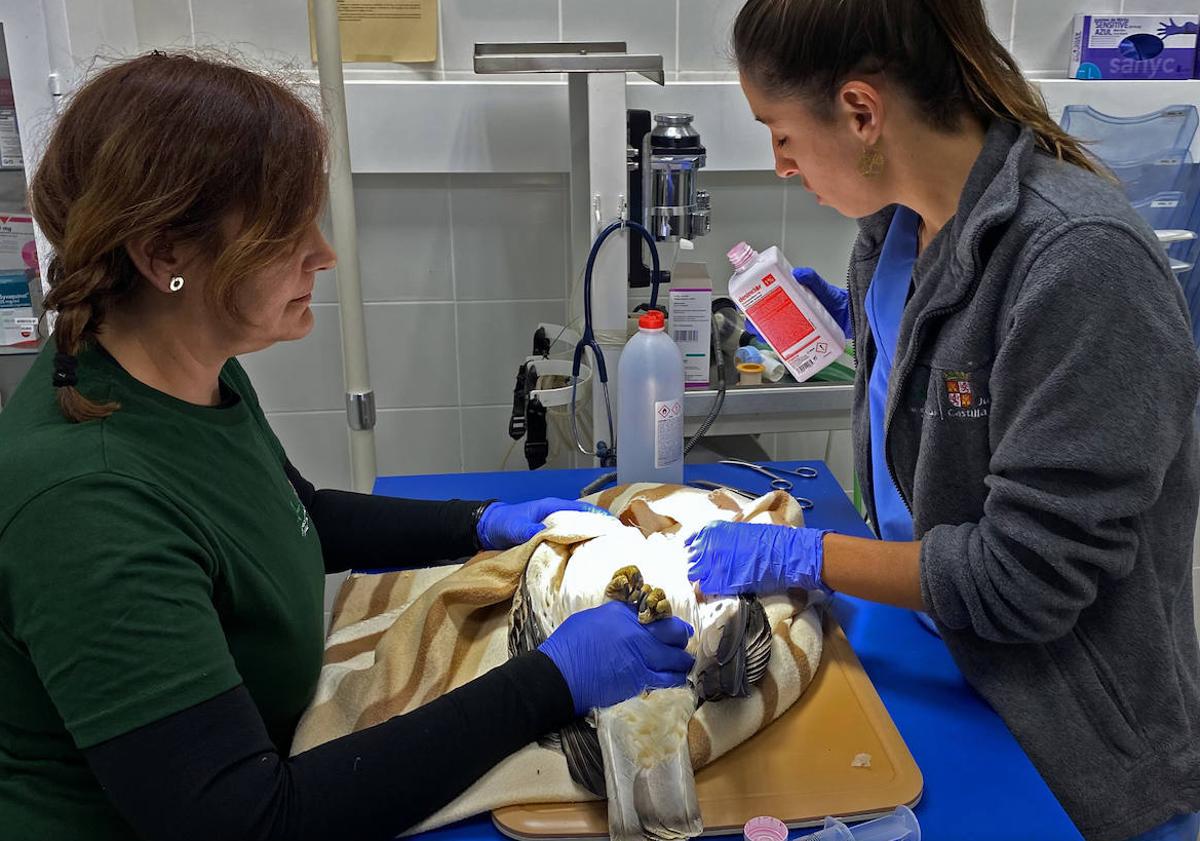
[[176, 283]]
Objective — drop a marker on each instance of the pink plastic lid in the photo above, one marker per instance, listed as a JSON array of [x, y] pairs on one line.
[[741, 255], [765, 828]]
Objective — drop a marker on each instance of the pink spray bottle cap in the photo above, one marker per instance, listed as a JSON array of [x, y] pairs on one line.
[[741, 255], [765, 828]]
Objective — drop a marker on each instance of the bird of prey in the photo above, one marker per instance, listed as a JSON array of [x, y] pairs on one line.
[[636, 753]]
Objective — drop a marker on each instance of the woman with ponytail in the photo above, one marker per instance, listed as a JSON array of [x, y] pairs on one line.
[[162, 562], [1023, 422]]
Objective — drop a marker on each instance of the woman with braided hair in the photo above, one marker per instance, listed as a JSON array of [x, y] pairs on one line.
[[162, 562]]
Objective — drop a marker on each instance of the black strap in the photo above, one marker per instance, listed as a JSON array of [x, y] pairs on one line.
[[66, 370]]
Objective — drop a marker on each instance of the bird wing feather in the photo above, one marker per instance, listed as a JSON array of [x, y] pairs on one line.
[[577, 741], [636, 753]]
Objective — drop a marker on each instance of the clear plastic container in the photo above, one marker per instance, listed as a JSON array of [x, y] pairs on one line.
[[650, 406], [787, 316], [901, 825]]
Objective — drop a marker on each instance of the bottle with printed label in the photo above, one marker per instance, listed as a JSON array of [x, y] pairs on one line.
[[650, 406], [788, 317]]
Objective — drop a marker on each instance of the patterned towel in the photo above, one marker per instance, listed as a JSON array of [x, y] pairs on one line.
[[400, 640]]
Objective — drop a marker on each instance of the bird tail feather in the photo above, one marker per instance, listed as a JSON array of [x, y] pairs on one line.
[[648, 767]]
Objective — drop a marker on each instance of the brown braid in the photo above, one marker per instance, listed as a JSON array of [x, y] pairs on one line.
[[75, 298]]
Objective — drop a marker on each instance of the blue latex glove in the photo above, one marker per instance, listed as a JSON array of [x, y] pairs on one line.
[[606, 656], [729, 559], [503, 526], [834, 299]]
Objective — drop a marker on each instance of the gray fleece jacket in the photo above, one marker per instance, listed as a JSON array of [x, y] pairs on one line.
[[1041, 428]]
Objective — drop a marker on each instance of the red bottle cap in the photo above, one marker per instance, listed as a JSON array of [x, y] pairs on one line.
[[652, 320]]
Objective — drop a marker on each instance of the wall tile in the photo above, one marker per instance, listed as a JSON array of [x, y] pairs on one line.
[[317, 443], [305, 375], [418, 441], [510, 236], [464, 22], [411, 352], [1042, 38], [486, 442], [403, 237], [801, 446], [705, 28], [162, 23], [841, 458], [104, 28], [325, 291], [817, 236], [812, 445], [999, 14], [713, 448], [493, 341], [647, 26], [745, 206], [273, 31]]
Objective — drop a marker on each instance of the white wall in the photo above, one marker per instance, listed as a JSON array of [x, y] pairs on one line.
[[456, 269]]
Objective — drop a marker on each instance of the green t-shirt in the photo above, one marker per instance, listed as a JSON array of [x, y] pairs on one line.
[[148, 562]]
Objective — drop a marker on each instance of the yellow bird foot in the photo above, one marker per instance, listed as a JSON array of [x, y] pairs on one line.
[[654, 607], [626, 585]]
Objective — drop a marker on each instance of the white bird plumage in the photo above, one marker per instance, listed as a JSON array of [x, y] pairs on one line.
[[636, 753]]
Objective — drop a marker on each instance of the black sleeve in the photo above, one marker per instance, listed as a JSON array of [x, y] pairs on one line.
[[212, 772], [361, 531]]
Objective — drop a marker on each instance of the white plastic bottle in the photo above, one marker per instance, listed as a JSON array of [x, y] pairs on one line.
[[650, 406], [788, 317]]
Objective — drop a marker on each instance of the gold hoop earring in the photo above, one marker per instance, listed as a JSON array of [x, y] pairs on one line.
[[871, 162]]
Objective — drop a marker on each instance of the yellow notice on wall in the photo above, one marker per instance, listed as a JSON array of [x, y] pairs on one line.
[[384, 30]]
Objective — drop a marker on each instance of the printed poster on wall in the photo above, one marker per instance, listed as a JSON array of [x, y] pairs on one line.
[[384, 30]]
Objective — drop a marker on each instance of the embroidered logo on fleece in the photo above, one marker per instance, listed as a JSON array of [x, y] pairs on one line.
[[301, 515], [958, 389]]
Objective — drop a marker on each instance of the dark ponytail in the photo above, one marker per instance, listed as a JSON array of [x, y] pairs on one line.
[[941, 52]]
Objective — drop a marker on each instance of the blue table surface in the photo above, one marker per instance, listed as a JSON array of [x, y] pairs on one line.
[[979, 784]]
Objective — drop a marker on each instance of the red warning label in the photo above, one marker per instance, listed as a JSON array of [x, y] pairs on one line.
[[782, 324]]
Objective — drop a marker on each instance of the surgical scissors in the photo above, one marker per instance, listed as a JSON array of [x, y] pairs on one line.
[[805, 504], [778, 482]]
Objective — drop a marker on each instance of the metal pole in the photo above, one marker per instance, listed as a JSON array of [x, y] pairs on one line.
[[360, 399], [608, 177]]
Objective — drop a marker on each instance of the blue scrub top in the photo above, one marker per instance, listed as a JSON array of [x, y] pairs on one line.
[[885, 302]]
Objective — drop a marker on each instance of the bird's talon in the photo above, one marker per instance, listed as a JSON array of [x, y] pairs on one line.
[[654, 607], [626, 585]]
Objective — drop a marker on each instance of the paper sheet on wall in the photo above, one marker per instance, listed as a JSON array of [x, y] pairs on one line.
[[384, 30]]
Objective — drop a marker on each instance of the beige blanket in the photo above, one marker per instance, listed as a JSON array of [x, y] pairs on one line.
[[400, 640]]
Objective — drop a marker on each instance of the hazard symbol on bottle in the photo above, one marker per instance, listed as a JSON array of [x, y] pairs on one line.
[[664, 411], [822, 347]]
